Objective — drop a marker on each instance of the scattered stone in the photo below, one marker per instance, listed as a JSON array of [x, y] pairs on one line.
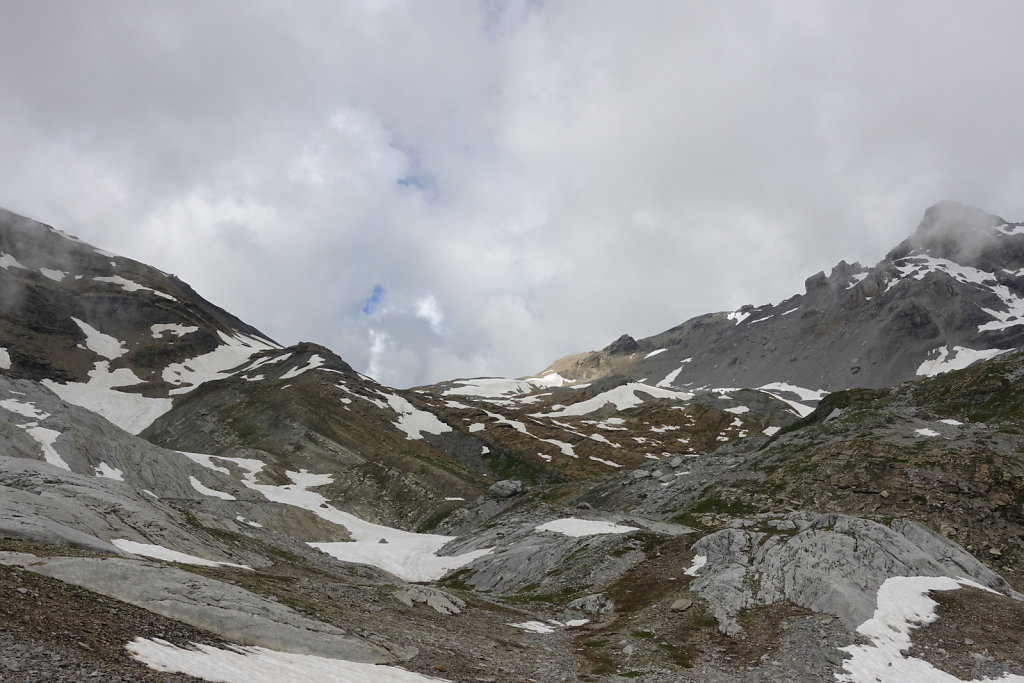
[[681, 605], [584, 506], [506, 488]]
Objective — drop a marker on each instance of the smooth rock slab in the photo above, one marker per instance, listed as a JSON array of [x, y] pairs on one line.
[[221, 608], [834, 564]]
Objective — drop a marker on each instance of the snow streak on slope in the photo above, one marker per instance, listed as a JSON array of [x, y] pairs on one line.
[[903, 605], [7, 262], [414, 421], [207, 491], [622, 397], [315, 361], [158, 552], [132, 286], [960, 358], [500, 387], [238, 664], [101, 344], [236, 349], [409, 556], [919, 266], [177, 329], [570, 526]]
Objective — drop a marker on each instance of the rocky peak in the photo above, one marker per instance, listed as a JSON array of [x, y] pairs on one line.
[[622, 346], [952, 231]]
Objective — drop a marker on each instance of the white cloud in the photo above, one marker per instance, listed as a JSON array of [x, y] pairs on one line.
[[523, 179]]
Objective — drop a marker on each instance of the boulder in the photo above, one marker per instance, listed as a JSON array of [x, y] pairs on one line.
[[506, 488]]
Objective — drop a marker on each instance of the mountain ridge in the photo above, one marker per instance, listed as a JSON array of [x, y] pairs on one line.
[[159, 454]]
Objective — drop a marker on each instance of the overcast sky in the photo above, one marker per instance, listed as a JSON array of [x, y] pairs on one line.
[[456, 188]]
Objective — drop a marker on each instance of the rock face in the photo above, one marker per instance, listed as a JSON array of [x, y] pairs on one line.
[[827, 563], [224, 609]]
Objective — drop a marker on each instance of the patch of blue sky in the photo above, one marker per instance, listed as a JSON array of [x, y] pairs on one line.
[[373, 301]]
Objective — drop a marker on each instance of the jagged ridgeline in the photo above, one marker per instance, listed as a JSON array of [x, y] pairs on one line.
[[828, 488]]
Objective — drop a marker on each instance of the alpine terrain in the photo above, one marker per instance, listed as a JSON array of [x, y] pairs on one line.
[[830, 488]]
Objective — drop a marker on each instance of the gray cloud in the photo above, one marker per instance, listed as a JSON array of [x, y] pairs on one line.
[[523, 179]]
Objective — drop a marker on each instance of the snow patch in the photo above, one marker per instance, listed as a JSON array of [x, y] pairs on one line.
[[315, 361], [158, 552], [46, 438], [238, 664], [802, 393], [926, 432], [414, 421], [409, 556], [535, 627], [738, 410], [174, 328], [7, 262], [99, 343], [652, 354], [622, 397], [214, 365], [501, 387], [961, 357], [5, 359], [771, 431], [207, 491], [106, 471], [738, 316], [28, 410], [131, 412], [570, 526], [132, 286], [698, 563], [55, 275], [902, 605]]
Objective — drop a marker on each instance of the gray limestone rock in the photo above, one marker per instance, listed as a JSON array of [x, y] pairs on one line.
[[506, 488], [229, 611], [835, 564]]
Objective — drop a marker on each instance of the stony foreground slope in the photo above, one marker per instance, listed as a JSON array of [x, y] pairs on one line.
[[180, 495]]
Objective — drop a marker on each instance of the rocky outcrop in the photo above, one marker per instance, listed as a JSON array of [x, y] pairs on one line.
[[221, 608], [827, 563]]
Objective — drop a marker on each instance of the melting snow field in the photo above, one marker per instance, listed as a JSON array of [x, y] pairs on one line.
[[570, 526], [926, 432], [903, 604], [107, 472], [99, 343], [238, 664], [414, 421], [961, 357], [158, 552], [130, 412], [410, 556], [177, 329], [501, 387], [207, 491], [622, 397], [235, 350], [132, 286], [5, 359]]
